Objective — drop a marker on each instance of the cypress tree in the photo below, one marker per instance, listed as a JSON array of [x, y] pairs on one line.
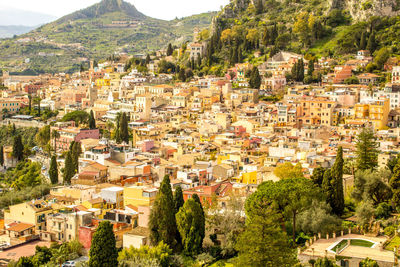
[[53, 171], [92, 121], [318, 176], [124, 128], [394, 184], [1, 156], [182, 75], [259, 7], [170, 50], [255, 78], [68, 168], [328, 187], [310, 67], [337, 177], [363, 41], [103, 251], [117, 135], [300, 69], [294, 72], [147, 59], [190, 221], [162, 222], [202, 230], [371, 46], [239, 55], [266, 37], [30, 103], [76, 151], [178, 199], [18, 148]]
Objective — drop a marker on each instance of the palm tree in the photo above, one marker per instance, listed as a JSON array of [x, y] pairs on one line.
[[55, 134]]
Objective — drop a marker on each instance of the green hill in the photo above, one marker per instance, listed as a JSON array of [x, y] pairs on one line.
[[94, 33], [313, 27]]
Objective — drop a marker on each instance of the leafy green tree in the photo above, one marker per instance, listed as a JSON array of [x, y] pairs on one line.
[[255, 78], [190, 222], [365, 212], [43, 136], [263, 243], [1, 156], [382, 55], [53, 171], [92, 121], [383, 211], [78, 116], [372, 185], [103, 251], [288, 170], [366, 150], [318, 176], [337, 176], [25, 262], [325, 262], [160, 255], [162, 222], [170, 50], [318, 219], [68, 168], [392, 162], [18, 148], [368, 263], [178, 199], [351, 80]]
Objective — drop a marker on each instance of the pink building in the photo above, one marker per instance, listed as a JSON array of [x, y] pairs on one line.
[[69, 134], [70, 96], [146, 145]]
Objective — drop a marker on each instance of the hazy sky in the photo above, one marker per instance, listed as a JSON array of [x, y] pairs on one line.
[[162, 9]]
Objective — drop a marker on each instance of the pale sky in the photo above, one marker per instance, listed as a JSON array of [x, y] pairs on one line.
[[161, 9]]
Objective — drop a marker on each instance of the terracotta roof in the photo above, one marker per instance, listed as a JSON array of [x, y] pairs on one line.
[[20, 227]]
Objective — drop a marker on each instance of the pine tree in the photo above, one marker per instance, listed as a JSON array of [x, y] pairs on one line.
[[170, 50], [1, 156], [92, 121], [68, 168], [18, 148], [162, 222], [372, 45], [53, 171], [255, 78], [366, 150], [178, 199], [190, 222], [124, 131], [103, 251], [337, 177], [363, 41]]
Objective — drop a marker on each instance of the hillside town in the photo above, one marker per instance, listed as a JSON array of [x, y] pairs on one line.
[[216, 137]]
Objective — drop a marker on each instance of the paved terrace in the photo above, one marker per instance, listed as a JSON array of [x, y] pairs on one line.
[[322, 245]]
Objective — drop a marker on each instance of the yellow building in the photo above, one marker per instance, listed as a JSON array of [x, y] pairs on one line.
[[315, 111], [138, 195], [103, 82], [375, 112], [31, 212]]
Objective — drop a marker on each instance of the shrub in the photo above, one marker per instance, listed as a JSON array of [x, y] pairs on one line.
[[383, 211]]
